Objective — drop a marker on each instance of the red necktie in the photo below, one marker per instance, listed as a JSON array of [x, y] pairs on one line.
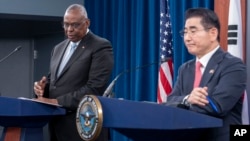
[[197, 74]]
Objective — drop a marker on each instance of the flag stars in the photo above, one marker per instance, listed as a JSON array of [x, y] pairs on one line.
[[162, 57], [170, 51], [163, 48], [165, 53], [170, 44], [164, 40], [167, 24], [162, 14], [165, 33]]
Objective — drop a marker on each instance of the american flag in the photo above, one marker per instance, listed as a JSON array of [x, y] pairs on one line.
[[165, 77]]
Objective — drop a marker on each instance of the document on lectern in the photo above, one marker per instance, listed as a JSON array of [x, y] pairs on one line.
[[35, 100]]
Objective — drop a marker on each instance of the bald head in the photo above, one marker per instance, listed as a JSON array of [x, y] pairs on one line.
[[77, 7], [75, 22]]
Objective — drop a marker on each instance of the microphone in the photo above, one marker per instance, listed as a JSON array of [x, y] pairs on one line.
[[15, 50], [109, 89]]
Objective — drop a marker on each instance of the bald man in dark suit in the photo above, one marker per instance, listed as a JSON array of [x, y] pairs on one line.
[[86, 72]]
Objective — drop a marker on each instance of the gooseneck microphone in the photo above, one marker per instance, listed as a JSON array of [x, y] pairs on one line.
[[108, 91], [15, 50]]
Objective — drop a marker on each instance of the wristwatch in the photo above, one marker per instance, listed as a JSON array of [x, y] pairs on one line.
[[185, 102]]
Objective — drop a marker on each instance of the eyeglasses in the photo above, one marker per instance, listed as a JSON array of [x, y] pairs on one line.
[[73, 25], [191, 32]]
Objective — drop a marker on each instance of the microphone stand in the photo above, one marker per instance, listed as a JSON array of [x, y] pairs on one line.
[[16, 49], [4, 58], [108, 91]]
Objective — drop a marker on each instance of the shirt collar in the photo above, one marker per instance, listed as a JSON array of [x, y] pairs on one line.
[[77, 43], [204, 60]]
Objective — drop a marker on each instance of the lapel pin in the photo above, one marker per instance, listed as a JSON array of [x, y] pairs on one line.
[[211, 71]]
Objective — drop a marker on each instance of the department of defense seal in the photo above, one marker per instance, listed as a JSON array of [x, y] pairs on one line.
[[89, 118]]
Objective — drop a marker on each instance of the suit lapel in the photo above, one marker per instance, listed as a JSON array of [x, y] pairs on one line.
[[191, 74], [58, 54], [208, 74], [79, 50], [77, 53], [212, 67]]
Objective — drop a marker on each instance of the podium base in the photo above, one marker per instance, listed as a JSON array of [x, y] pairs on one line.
[[22, 134]]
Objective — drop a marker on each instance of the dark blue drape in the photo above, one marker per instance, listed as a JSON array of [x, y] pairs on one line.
[[133, 28]]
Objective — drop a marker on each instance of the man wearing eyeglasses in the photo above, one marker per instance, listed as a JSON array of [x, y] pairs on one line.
[[80, 65], [214, 82]]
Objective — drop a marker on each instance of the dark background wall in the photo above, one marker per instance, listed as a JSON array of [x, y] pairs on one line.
[[18, 71], [36, 7], [36, 27]]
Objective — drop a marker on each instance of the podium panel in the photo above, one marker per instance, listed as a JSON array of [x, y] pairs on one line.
[[23, 120], [144, 121]]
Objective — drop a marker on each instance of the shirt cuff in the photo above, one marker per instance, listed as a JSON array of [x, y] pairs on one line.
[[185, 102]]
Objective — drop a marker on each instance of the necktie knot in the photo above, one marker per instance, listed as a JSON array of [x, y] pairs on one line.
[[198, 65], [73, 46]]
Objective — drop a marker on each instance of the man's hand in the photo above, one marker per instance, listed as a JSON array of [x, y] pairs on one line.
[[198, 96], [48, 100], [39, 87]]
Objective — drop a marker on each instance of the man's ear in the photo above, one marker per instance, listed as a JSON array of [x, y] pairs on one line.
[[88, 23], [214, 33]]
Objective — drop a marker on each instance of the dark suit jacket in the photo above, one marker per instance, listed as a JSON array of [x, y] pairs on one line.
[[87, 72], [225, 77]]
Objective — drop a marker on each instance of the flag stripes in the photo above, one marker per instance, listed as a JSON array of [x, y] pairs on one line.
[[165, 75]]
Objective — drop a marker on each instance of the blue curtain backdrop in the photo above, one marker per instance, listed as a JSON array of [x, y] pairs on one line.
[[133, 28]]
